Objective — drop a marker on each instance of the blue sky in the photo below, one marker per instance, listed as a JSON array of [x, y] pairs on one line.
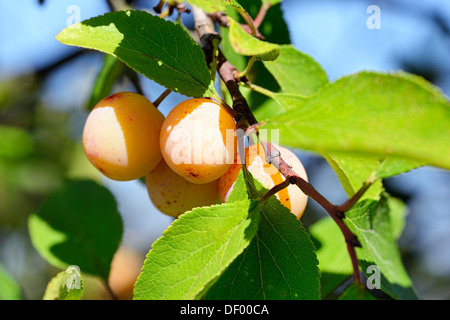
[[333, 32], [27, 32]]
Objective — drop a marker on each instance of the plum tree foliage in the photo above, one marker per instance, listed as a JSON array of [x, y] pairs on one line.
[[237, 232]]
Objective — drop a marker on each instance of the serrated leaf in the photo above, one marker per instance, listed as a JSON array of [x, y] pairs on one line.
[[66, 285], [296, 72], [272, 2], [383, 222], [195, 250], [209, 6], [159, 49], [232, 3], [78, 224], [355, 169], [396, 115], [246, 44], [280, 262], [370, 221], [392, 166]]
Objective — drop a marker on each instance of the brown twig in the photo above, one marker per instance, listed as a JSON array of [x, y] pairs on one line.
[[261, 14], [158, 7], [161, 98], [222, 20], [228, 73], [248, 20], [273, 157], [275, 189]]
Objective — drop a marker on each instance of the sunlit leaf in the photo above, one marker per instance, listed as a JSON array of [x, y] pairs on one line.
[[159, 49], [195, 250], [384, 115]]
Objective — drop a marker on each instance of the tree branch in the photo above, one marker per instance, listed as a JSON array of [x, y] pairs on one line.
[[222, 20], [204, 25], [273, 157]]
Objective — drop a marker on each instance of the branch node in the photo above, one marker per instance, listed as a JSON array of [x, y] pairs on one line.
[[355, 242], [340, 214], [181, 7], [158, 7]]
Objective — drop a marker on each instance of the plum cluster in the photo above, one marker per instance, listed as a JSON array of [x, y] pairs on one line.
[[189, 159]]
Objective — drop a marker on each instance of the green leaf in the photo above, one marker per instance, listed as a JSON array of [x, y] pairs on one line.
[[355, 169], [66, 285], [383, 115], [287, 101], [9, 289], [232, 3], [296, 72], [271, 2], [392, 166], [274, 27], [370, 221], [246, 44], [159, 49], [280, 262], [355, 292], [334, 262], [397, 215], [78, 224], [15, 143], [195, 250], [108, 75], [275, 30], [209, 6]]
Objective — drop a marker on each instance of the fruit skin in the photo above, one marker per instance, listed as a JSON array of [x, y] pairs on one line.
[[291, 197], [194, 142], [121, 136], [174, 195], [125, 269]]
